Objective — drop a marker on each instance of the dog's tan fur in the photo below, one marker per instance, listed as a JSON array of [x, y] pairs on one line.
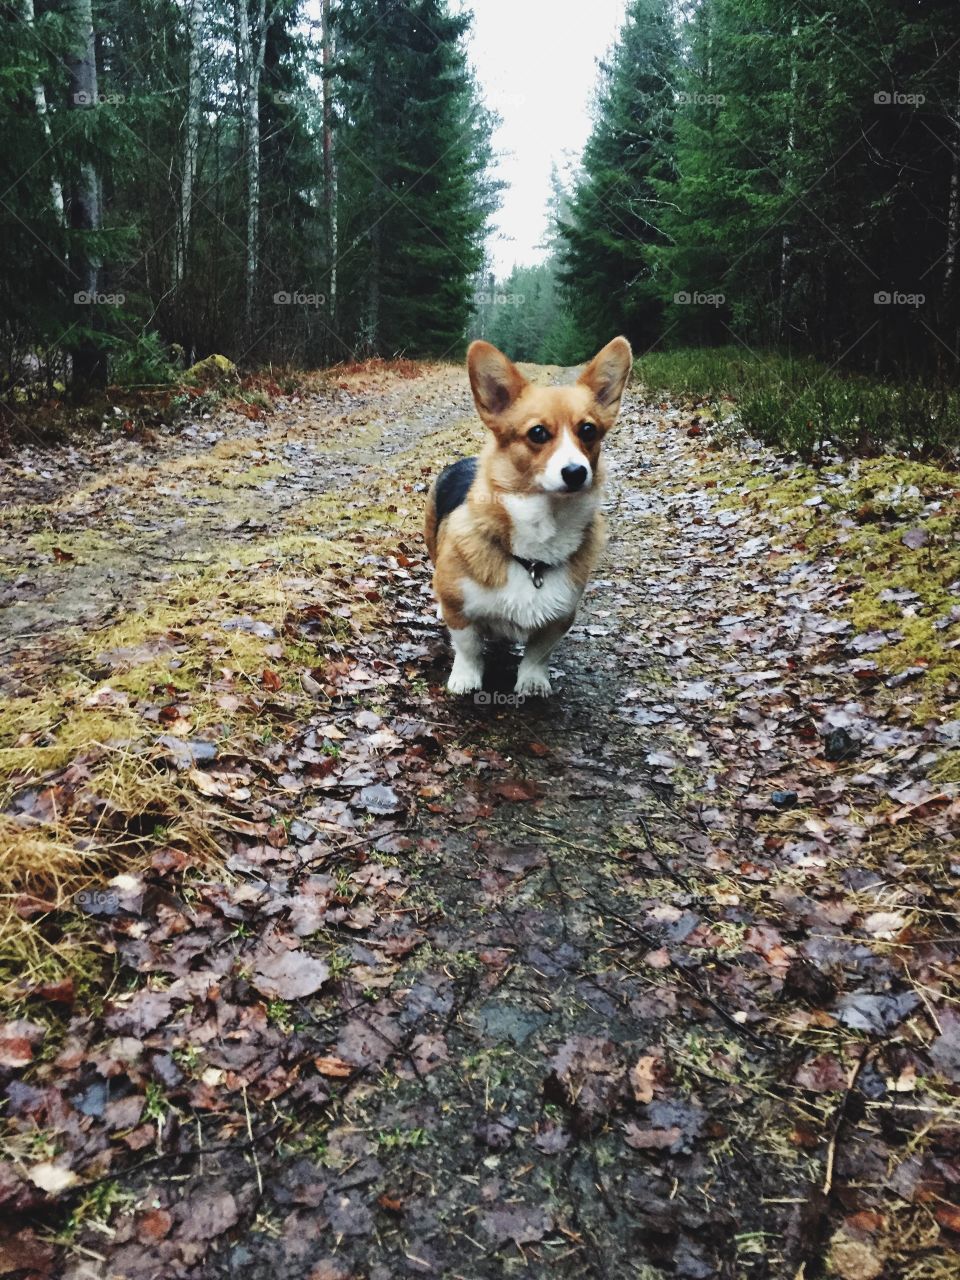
[[474, 541]]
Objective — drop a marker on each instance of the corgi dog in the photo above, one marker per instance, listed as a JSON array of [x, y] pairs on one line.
[[515, 533]]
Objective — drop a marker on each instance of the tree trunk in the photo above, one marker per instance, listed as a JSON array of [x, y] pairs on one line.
[[791, 147], [329, 164], [251, 63], [375, 266], [372, 335], [40, 98], [190, 145], [88, 360], [953, 229]]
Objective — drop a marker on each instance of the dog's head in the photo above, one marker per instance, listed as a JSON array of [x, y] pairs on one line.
[[547, 439]]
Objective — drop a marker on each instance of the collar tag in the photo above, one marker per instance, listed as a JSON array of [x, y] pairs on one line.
[[535, 568]]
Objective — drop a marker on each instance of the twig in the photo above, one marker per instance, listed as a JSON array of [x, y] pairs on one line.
[[852, 1077], [253, 1147]]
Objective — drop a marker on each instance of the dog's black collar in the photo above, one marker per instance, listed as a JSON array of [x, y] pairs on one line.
[[535, 568]]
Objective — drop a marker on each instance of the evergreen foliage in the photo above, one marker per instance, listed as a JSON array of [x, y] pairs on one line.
[[193, 186]]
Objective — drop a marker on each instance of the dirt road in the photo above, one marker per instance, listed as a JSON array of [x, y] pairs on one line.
[[656, 978]]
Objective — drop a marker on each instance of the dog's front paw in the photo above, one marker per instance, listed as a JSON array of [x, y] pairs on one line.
[[534, 682], [465, 678]]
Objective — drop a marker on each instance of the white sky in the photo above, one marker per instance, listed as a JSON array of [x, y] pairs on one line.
[[536, 61]]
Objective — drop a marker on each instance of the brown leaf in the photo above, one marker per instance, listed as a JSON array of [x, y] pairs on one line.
[[516, 790], [23, 1252], [824, 1074], [587, 1075], [330, 1269], [15, 1051], [428, 1053], [154, 1226], [948, 1215], [335, 1067], [650, 1139], [271, 680], [644, 1076], [913, 812]]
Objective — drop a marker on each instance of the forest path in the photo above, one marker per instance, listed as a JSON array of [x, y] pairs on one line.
[[646, 980]]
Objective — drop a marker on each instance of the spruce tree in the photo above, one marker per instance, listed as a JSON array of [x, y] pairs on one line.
[[413, 151], [616, 213]]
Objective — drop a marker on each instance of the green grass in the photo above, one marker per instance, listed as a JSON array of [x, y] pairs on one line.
[[802, 405]]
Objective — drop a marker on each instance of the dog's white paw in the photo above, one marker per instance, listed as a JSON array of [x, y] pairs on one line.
[[465, 678], [534, 682]]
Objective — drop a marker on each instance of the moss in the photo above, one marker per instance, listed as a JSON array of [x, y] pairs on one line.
[[84, 545], [947, 768], [211, 371], [866, 508]]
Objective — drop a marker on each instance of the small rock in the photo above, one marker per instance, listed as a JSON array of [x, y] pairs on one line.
[[838, 745]]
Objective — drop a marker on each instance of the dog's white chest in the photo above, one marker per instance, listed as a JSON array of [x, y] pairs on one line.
[[516, 609], [549, 528]]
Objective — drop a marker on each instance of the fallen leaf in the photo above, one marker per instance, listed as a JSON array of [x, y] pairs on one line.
[[288, 975], [853, 1259], [523, 1224], [335, 1067], [823, 1074], [884, 924], [914, 812], [52, 1178], [379, 800], [154, 1226], [644, 1076], [650, 1139]]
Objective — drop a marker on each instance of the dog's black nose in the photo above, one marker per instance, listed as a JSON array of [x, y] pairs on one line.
[[573, 477]]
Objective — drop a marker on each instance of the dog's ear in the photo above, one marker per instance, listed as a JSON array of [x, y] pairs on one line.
[[607, 373], [496, 381]]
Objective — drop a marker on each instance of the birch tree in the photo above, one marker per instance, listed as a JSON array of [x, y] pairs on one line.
[[191, 139], [251, 47], [40, 98]]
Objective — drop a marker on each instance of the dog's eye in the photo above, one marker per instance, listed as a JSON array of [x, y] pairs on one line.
[[539, 435], [588, 432]]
